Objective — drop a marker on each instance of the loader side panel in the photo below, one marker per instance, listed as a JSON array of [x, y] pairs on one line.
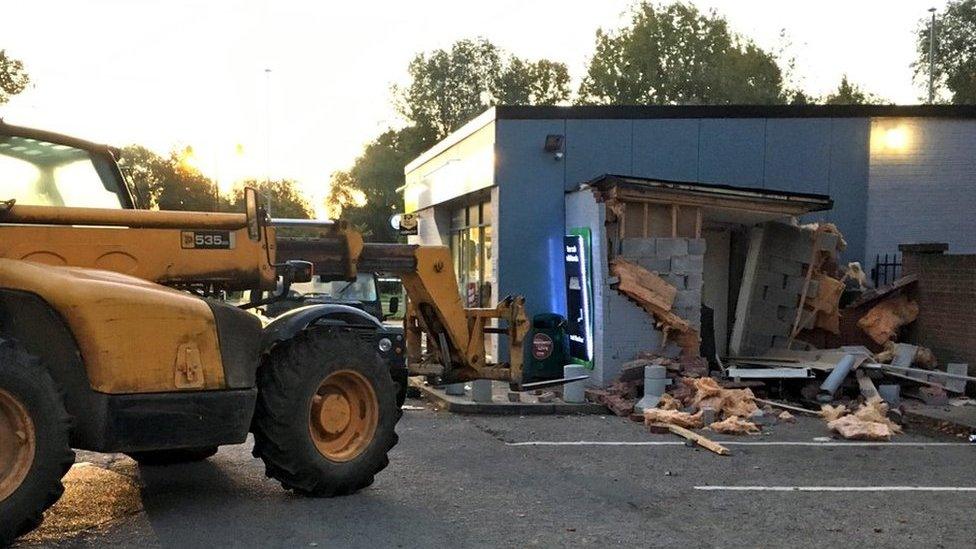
[[134, 336], [131, 422]]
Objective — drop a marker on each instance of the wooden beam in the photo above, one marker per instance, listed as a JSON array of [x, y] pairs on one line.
[[643, 284], [700, 440], [647, 219], [698, 222], [674, 220], [716, 202]]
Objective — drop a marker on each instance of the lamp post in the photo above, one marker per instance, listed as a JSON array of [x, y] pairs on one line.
[[267, 135], [932, 58]]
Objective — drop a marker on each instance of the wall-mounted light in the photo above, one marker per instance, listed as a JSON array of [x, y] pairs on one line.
[[554, 145], [890, 137]]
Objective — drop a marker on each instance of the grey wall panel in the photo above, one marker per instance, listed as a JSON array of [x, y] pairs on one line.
[[732, 152], [925, 189], [848, 183], [531, 216], [666, 149], [797, 155], [597, 147]]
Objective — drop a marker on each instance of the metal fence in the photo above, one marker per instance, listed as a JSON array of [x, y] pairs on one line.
[[887, 269]]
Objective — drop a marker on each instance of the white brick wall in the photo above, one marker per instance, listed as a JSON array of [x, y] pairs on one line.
[[921, 184]]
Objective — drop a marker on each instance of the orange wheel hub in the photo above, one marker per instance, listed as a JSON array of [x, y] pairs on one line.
[[343, 416], [17, 444]]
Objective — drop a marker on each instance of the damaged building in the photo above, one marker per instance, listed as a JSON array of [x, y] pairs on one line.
[[706, 205]]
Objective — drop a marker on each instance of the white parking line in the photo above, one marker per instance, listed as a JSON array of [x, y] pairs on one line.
[[832, 444], [838, 488]]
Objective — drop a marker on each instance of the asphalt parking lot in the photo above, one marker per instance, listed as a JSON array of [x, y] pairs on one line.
[[549, 481]]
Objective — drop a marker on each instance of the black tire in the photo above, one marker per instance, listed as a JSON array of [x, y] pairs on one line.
[[22, 376], [288, 379], [173, 457], [400, 378]]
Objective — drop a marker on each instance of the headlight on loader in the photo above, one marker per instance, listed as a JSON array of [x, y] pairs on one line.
[[385, 345]]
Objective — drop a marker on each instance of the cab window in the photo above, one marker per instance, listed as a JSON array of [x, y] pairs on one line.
[[40, 173]]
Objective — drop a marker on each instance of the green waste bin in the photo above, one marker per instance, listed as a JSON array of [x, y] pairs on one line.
[[547, 350]]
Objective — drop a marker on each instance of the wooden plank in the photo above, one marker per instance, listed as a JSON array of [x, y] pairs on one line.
[[698, 222], [700, 440], [674, 221], [797, 409], [643, 284]]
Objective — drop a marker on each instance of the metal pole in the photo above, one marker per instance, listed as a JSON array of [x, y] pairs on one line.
[[267, 136], [932, 58]]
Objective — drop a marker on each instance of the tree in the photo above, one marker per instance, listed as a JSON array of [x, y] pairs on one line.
[[449, 87], [168, 183], [849, 93], [282, 195], [955, 57], [365, 195], [13, 77], [675, 54]]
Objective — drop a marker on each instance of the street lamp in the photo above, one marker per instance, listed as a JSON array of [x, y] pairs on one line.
[[932, 58]]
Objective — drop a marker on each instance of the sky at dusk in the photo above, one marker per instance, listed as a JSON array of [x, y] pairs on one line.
[[176, 72]]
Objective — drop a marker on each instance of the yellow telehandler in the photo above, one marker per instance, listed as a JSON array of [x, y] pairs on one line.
[[114, 336]]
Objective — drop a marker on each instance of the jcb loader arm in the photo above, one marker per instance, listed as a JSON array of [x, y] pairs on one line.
[[443, 338]]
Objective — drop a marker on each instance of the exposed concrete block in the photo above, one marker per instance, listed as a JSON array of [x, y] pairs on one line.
[[785, 313], [656, 265], [669, 247], [688, 298], [638, 247], [794, 284], [687, 264], [679, 281], [783, 265], [814, 288], [779, 296], [694, 281], [696, 246]]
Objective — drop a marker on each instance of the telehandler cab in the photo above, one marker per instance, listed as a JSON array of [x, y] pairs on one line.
[[113, 336]]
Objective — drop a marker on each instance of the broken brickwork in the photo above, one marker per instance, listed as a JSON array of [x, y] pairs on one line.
[[946, 296]]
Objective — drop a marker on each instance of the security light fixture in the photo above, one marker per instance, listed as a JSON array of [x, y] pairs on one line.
[[554, 145]]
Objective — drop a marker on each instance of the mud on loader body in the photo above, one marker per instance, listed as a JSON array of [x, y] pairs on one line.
[[113, 339]]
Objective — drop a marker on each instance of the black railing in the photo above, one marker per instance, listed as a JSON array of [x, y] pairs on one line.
[[886, 269]]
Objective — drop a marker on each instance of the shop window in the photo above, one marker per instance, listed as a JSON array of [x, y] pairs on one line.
[[471, 248]]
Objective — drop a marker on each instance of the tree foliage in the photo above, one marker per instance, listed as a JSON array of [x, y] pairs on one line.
[[849, 93], [167, 183], [13, 77], [170, 183], [447, 88], [365, 195], [282, 196], [955, 56], [673, 55], [450, 86]]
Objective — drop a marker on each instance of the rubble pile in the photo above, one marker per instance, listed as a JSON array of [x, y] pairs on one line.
[[807, 331]]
